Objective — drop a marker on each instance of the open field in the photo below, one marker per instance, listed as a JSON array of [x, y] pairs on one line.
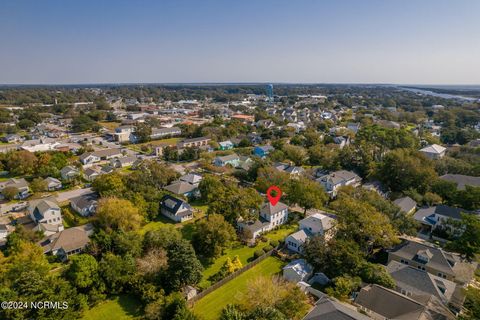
[[123, 307], [210, 306]]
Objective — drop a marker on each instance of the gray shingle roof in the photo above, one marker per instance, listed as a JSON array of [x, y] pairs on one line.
[[406, 204], [269, 209]]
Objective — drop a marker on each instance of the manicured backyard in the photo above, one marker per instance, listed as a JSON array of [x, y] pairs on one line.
[[210, 306], [122, 307], [245, 253]]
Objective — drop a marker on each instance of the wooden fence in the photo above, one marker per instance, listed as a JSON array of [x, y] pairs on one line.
[[230, 277]]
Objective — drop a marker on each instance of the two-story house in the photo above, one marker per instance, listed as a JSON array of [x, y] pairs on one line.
[[435, 217], [270, 217], [317, 224], [47, 216], [231, 159], [175, 209], [333, 181], [434, 260]]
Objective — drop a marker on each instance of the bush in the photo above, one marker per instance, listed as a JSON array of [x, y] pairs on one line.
[[267, 248], [263, 239], [274, 243], [258, 253]]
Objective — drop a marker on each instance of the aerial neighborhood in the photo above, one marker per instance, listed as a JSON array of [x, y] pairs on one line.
[[162, 195]]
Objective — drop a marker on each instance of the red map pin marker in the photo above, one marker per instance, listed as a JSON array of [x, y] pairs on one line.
[[274, 199]]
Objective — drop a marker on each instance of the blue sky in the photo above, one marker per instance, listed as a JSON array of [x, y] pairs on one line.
[[335, 41]]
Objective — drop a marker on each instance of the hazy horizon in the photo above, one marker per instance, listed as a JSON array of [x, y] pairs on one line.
[[429, 43]]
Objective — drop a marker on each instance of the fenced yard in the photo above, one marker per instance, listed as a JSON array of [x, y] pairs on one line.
[[210, 302]]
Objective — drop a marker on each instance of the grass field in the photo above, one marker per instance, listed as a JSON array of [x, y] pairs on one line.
[[122, 307], [210, 306]]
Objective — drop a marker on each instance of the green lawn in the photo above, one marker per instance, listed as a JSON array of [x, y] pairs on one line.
[[71, 218], [210, 306], [119, 308], [245, 253]]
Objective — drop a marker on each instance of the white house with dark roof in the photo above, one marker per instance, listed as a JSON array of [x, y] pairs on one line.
[[175, 209], [434, 151]]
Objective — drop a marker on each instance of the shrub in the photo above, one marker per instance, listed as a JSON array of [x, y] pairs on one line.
[[274, 243], [267, 248], [258, 253]]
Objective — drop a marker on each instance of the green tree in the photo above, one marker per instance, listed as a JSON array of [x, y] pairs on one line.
[[183, 266], [10, 192], [143, 132], [402, 169], [468, 243], [117, 272], [306, 193], [109, 185], [161, 238], [212, 235], [343, 287], [21, 162], [117, 214]]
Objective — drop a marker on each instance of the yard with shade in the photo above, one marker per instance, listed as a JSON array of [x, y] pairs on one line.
[[245, 253], [210, 306]]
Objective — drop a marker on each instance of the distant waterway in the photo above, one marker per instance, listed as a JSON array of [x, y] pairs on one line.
[[439, 95]]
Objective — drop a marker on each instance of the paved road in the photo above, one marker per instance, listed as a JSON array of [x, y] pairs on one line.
[[67, 195]]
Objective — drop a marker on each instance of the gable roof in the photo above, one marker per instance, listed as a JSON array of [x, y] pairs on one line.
[[230, 157], [192, 178], [84, 200], [300, 236], [300, 267], [172, 205], [406, 204], [269, 209], [419, 283], [393, 305], [433, 148], [426, 214], [69, 239], [318, 219], [443, 261], [327, 308], [39, 207]]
